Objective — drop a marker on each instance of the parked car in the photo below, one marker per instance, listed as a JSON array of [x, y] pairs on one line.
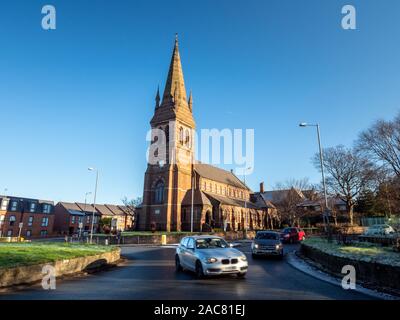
[[379, 229], [292, 235], [209, 255], [267, 243]]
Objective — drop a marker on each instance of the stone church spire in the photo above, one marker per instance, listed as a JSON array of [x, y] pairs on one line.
[[175, 91]]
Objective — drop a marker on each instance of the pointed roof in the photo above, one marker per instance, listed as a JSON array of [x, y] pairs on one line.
[[174, 105], [175, 85]]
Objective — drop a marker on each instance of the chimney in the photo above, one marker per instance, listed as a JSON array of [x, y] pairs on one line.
[[261, 187]]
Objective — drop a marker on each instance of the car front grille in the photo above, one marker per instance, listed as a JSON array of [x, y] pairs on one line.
[[227, 261]]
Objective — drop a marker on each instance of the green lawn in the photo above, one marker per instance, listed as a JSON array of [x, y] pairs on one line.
[[23, 254], [363, 251]]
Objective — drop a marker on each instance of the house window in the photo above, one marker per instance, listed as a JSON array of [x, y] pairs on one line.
[[28, 233], [14, 205], [73, 219], [4, 204], [45, 222], [9, 233], [46, 208], [205, 185], [32, 207], [159, 192], [241, 194], [220, 189], [43, 233], [87, 219], [95, 219], [30, 221], [12, 220]]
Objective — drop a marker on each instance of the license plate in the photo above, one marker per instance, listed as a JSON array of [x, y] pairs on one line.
[[230, 268]]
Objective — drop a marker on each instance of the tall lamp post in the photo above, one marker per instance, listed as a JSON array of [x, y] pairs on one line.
[[321, 159], [245, 199], [94, 201]]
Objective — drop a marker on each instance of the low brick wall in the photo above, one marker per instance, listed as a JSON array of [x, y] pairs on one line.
[[156, 239], [370, 273], [33, 273]]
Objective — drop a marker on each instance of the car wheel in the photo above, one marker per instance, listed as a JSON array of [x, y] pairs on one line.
[[281, 256], [199, 270], [241, 275], [178, 266], [254, 256]]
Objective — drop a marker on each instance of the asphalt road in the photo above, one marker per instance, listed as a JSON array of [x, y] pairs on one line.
[[149, 273]]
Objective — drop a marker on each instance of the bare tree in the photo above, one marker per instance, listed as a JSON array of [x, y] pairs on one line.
[[348, 173], [130, 208], [382, 142], [287, 198]]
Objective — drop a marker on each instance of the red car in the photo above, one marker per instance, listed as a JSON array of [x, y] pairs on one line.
[[292, 235]]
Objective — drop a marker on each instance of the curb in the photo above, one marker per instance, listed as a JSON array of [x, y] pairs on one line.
[[311, 270]]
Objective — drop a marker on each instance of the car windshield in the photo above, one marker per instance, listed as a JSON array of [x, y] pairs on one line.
[[267, 235], [211, 243]]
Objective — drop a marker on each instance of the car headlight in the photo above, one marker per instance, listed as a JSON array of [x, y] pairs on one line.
[[210, 260], [278, 246], [256, 245], [243, 258]]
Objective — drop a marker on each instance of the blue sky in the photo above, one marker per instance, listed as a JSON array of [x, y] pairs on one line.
[[83, 95]]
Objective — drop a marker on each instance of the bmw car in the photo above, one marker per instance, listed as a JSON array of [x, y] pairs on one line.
[[208, 256]]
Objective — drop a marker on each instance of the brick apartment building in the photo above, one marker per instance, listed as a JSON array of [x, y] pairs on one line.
[[29, 218]]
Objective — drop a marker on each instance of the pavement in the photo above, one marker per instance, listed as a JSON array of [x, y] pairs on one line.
[[149, 273]]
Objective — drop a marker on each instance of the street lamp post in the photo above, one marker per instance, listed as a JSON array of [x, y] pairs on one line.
[[86, 194], [321, 159], [245, 199], [94, 201]]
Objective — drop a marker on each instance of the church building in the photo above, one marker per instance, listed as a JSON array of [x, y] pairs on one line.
[[181, 194]]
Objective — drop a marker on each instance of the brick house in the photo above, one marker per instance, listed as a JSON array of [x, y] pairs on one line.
[[68, 217], [36, 217], [123, 218]]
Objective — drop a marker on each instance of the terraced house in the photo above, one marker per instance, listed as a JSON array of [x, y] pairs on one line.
[[28, 218], [74, 217], [220, 199]]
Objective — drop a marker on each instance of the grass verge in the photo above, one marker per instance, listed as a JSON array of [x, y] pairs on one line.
[[362, 251], [24, 254]]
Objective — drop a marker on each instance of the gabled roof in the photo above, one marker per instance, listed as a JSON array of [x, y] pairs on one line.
[[262, 202], [198, 198], [276, 196], [231, 201], [213, 173], [118, 210]]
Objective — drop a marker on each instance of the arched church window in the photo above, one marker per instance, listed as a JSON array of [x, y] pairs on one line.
[[159, 192], [167, 133], [187, 138], [181, 135]]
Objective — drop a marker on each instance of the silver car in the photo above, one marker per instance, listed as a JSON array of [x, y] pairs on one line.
[[209, 255]]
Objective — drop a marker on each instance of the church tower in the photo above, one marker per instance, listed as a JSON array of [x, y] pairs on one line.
[[169, 170]]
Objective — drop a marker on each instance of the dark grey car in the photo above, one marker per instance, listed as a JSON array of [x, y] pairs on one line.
[[267, 243]]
